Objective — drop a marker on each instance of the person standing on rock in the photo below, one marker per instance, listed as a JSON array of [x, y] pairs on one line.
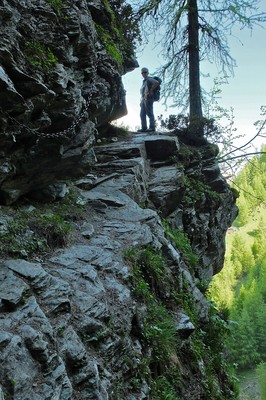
[[146, 103]]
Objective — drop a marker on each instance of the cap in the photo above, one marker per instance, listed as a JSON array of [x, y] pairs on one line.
[[144, 69]]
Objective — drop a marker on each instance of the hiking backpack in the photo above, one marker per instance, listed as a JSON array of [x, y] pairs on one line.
[[156, 93]]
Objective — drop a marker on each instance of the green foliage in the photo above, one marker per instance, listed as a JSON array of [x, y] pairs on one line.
[[153, 263], [159, 331], [205, 346], [243, 338], [221, 288], [208, 349], [141, 287], [182, 242], [57, 5], [241, 255], [247, 343], [197, 192], [127, 26], [148, 273], [110, 46], [225, 133], [55, 230], [251, 181], [193, 32], [187, 154], [258, 246], [158, 327], [36, 231], [19, 239], [182, 124], [261, 374], [241, 286], [39, 56], [209, 339], [71, 207], [121, 34], [162, 389], [30, 234]]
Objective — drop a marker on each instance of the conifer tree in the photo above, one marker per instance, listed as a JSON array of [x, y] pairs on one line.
[[244, 274], [221, 289], [195, 30], [260, 336], [258, 247], [242, 345], [241, 255], [261, 374]]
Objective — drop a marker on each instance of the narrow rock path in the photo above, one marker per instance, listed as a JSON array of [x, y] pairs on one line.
[[54, 312]]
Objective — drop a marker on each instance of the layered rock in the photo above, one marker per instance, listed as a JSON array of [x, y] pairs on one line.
[[72, 324], [91, 320], [59, 85]]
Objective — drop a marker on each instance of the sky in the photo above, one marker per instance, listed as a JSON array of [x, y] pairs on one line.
[[245, 92]]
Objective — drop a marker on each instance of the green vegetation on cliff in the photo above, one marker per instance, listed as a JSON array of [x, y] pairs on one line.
[[169, 354], [120, 35]]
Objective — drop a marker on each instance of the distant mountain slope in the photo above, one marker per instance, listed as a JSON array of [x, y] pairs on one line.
[[240, 289]]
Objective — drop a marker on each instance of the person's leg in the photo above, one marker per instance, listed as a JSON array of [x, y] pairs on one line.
[[143, 115], [150, 114]]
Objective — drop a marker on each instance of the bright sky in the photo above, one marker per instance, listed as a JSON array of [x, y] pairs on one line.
[[245, 92]]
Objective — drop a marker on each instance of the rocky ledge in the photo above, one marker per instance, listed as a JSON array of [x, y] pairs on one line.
[[80, 324]]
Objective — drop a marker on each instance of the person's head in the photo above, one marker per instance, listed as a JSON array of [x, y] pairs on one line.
[[144, 72]]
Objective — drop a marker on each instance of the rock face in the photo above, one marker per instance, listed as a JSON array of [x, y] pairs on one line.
[[60, 81], [117, 312], [85, 322]]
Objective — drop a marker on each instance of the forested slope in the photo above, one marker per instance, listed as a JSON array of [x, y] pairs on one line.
[[240, 289]]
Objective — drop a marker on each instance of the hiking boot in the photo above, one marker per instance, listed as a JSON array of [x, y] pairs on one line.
[[142, 130], [150, 130]]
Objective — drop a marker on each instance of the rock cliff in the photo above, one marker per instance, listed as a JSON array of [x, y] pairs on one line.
[[60, 78], [103, 285], [120, 312]]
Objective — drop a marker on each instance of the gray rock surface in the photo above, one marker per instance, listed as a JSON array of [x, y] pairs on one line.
[[70, 324], [73, 325], [59, 88]]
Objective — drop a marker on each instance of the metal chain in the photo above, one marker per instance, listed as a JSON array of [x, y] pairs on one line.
[[63, 133]]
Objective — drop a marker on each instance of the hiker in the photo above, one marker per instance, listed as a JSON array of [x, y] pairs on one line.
[[146, 102]]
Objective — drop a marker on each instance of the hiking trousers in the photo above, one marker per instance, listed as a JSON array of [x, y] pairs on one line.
[[146, 110]]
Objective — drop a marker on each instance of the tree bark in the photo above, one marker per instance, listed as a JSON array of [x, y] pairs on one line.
[[195, 105]]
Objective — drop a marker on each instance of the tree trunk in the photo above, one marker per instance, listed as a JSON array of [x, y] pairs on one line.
[[194, 65]]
